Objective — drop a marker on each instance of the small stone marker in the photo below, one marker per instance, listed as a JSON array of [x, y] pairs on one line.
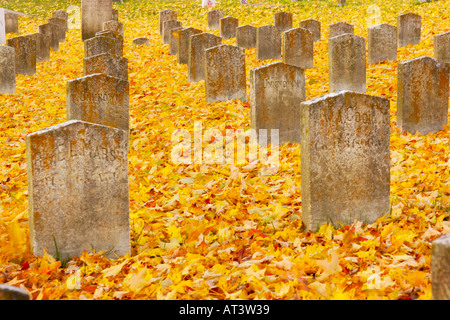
[[8, 292], [107, 64], [225, 77], [11, 22], [283, 21], [228, 27], [167, 28], [141, 41], [184, 37], [93, 14], [213, 19], [246, 36], [98, 45], [25, 50], [341, 3], [276, 91], [298, 48], [422, 95], [51, 32], [173, 40], [61, 14], [8, 67], [42, 46], [339, 28], [312, 25], [166, 15], [347, 63], [2, 27], [442, 47], [78, 189], [382, 42], [61, 25], [345, 159], [440, 268], [268, 43], [196, 61], [99, 98], [408, 29]]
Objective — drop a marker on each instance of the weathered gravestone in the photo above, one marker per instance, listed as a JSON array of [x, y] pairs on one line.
[[61, 14], [60, 26], [78, 189], [339, 28], [213, 19], [422, 95], [298, 48], [8, 292], [196, 62], [8, 67], [173, 40], [141, 41], [283, 21], [312, 25], [184, 37], [100, 44], [228, 27], [345, 159], [93, 14], [408, 29], [165, 15], [442, 47], [100, 99], [347, 63], [107, 64], [2, 27], [167, 28], [382, 42], [42, 46], [440, 268], [268, 43], [225, 77], [115, 14], [50, 30], [11, 22], [25, 50], [246, 36], [276, 91], [116, 28]]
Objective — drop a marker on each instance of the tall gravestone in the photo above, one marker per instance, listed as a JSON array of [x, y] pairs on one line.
[[11, 22], [246, 36], [339, 28], [93, 14], [51, 32], [345, 159], [165, 15], [213, 19], [196, 62], [25, 50], [268, 43], [283, 21], [276, 91], [347, 63], [440, 268], [173, 40], [100, 44], [42, 46], [2, 27], [312, 25], [422, 95], [225, 77], [409, 27], [184, 37], [228, 27], [108, 64], [442, 47], [168, 26], [8, 67], [298, 48], [382, 43], [78, 189]]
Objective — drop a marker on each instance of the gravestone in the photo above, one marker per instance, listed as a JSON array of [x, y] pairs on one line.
[[268, 43], [8, 67], [61, 25], [345, 159], [276, 91], [422, 95], [61, 14], [228, 27], [184, 37], [440, 268], [165, 15], [298, 48], [2, 27], [225, 77], [116, 28], [347, 63], [213, 19], [382, 42], [50, 30], [246, 36], [196, 61], [173, 40], [93, 14], [339, 28], [78, 189], [11, 22], [167, 28], [442, 47], [107, 64], [141, 41], [42, 46], [283, 21], [115, 14], [312, 25], [341, 3], [408, 29], [99, 98], [98, 45], [8, 292], [25, 51]]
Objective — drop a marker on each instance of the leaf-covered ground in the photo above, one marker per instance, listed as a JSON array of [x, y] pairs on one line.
[[225, 231]]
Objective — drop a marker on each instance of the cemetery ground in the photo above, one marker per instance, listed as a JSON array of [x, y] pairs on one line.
[[224, 231]]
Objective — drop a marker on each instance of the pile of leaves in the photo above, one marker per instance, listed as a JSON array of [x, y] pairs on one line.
[[224, 231]]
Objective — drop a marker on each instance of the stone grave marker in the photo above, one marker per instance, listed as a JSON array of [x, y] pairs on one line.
[[100, 44], [298, 48], [8, 67], [25, 51], [268, 43], [276, 91], [312, 25], [228, 27], [196, 60], [2, 27], [184, 37], [382, 42], [441, 46], [42, 46], [141, 41], [440, 268], [108, 64], [50, 30], [213, 19], [347, 63], [78, 189], [8, 292], [167, 28], [225, 77], [282, 20], [93, 14], [339, 28], [422, 95], [345, 159], [11, 22], [61, 14], [61, 26], [246, 36], [116, 28], [173, 40], [115, 14], [165, 15], [408, 29]]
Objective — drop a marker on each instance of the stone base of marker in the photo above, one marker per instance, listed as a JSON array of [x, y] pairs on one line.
[[440, 268], [25, 51], [141, 41], [8, 67], [107, 64]]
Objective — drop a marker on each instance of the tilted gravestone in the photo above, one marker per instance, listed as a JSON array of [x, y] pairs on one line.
[[276, 91], [165, 15], [347, 63], [167, 28], [228, 27], [213, 19], [51, 31], [25, 51], [312, 25], [225, 77], [409, 27], [382, 43], [93, 14], [196, 62], [2, 27], [100, 99], [42, 46], [8, 67], [107, 64], [339, 28], [184, 37], [440, 268], [173, 40], [78, 189], [422, 95], [283, 21], [298, 48], [268, 43], [98, 45], [11, 22], [61, 25], [246, 36], [442, 47], [345, 159]]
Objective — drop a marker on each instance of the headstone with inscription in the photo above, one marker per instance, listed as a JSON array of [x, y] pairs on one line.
[[196, 60], [409, 27], [246, 36], [25, 51], [282, 20], [228, 27], [268, 43], [93, 14], [213, 19], [8, 67], [298, 48], [165, 15], [339, 28], [312, 25], [107, 64], [382, 42]]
